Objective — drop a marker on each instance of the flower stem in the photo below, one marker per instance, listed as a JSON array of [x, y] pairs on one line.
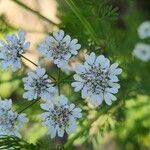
[[83, 20], [58, 81], [34, 12], [36, 65], [29, 60], [65, 79], [35, 101]]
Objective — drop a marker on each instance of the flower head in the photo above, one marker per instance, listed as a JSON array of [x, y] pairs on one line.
[[97, 79], [144, 30], [60, 116], [11, 50], [59, 48], [142, 51], [10, 121], [37, 84]]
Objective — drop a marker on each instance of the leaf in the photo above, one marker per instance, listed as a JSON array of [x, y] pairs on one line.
[[11, 142]]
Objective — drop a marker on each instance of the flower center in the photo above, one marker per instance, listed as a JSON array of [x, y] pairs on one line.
[[14, 50], [96, 79], [59, 50], [60, 115], [7, 120], [40, 84]]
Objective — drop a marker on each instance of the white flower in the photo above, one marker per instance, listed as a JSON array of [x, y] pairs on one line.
[[10, 121], [96, 79], [37, 84], [60, 116], [142, 51], [144, 30], [11, 50], [59, 48]]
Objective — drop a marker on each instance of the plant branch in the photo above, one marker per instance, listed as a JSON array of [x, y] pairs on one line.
[[29, 60], [35, 101], [34, 12], [83, 20], [58, 81], [35, 65]]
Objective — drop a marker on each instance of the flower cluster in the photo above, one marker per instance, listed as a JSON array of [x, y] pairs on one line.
[[59, 48], [37, 84], [11, 50], [144, 30], [60, 116], [96, 79], [142, 51], [10, 122]]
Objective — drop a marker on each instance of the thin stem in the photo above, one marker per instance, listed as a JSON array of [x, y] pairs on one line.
[[58, 81], [82, 19], [34, 12], [35, 101], [52, 77], [64, 79], [29, 60], [35, 65]]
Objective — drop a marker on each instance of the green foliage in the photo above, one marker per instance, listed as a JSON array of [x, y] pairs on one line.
[[9, 142], [106, 27]]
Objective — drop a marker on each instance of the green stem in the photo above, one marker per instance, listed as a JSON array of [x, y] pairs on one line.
[[29, 60], [35, 101], [83, 20], [35, 65], [34, 12], [58, 81], [64, 79]]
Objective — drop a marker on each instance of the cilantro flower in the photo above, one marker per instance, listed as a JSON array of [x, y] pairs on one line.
[[37, 84], [10, 121], [60, 116], [97, 79], [11, 50], [59, 48], [144, 30], [142, 51]]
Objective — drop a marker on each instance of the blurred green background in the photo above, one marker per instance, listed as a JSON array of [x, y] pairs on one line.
[[112, 32]]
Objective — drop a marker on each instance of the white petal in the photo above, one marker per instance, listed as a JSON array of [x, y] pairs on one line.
[[96, 100], [58, 35], [73, 42], [40, 71], [22, 35], [52, 131], [107, 99], [112, 90], [77, 77], [77, 113], [84, 92], [104, 62], [80, 69], [63, 100], [90, 59], [60, 132], [78, 86], [67, 40], [114, 78], [71, 128]]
